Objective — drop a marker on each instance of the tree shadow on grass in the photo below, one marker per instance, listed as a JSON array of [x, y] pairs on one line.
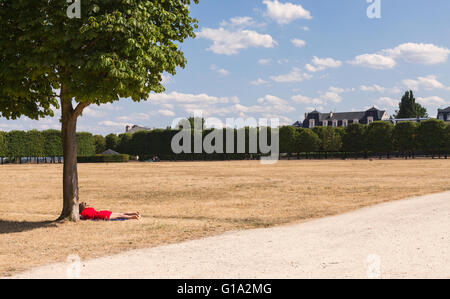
[[9, 227]]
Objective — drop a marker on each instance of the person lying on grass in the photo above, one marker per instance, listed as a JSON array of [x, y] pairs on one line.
[[88, 213]]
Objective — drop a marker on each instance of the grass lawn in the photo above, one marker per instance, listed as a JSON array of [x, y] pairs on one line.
[[181, 201]]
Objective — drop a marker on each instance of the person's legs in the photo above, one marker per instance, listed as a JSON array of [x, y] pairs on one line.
[[132, 213], [115, 216]]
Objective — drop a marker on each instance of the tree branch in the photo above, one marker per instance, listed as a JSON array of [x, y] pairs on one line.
[[80, 107]]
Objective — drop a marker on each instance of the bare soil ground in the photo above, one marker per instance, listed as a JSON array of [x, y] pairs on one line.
[[184, 201]]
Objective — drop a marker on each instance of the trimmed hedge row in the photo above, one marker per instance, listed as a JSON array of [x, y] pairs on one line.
[[430, 137], [104, 159], [382, 138], [20, 144]]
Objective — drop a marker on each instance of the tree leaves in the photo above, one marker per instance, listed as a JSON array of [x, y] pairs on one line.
[[117, 49]]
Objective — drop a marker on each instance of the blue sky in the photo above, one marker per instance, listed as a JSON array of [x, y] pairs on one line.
[[282, 58]]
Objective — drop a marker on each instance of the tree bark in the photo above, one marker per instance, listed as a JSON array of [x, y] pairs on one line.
[[70, 172], [69, 118]]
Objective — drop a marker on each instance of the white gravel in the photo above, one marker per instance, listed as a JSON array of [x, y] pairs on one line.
[[402, 239]]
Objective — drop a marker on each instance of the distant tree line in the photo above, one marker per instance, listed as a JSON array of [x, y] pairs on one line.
[[43, 146], [431, 137], [407, 139]]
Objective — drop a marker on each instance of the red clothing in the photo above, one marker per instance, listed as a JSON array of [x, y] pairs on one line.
[[92, 214]]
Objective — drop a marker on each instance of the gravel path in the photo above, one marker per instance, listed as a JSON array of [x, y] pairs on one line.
[[402, 239]]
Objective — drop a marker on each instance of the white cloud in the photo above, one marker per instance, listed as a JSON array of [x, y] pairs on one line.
[[301, 99], [222, 72], [272, 104], [93, 112], [259, 82], [428, 83], [388, 102], [264, 61], [238, 22], [298, 42], [331, 96], [427, 54], [419, 53], [166, 112], [320, 64], [336, 89], [285, 13], [134, 117], [296, 75], [374, 61], [111, 107], [231, 42], [108, 123], [380, 89], [176, 97], [432, 101]]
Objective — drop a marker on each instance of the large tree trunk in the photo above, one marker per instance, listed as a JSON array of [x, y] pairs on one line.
[[70, 173], [69, 142], [70, 209]]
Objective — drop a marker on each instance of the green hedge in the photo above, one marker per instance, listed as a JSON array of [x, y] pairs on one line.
[[105, 159], [377, 139], [431, 137], [21, 144]]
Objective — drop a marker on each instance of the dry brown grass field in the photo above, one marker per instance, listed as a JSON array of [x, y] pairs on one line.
[[181, 201]]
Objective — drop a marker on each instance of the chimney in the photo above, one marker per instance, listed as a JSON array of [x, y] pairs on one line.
[[331, 114], [306, 115], [127, 128]]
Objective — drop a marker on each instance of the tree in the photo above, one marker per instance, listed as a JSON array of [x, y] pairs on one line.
[[409, 108], [100, 144], [86, 144], [404, 137], [116, 49], [17, 144], [307, 141], [123, 144], [379, 137], [112, 141], [52, 145], [446, 140], [331, 138], [287, 139], [430, 135], [353, 140], [3, 146], [35, 144]]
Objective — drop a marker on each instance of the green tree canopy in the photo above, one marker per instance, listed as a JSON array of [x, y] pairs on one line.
[[86, 144], [35, 143], [409, 108], [404, 136], [287, 139], [331, 138], [100, 144], [3, 145], [124, 143], [52, 144], [379, 137], [112, 141], [307, 141], [430, 135], [17, 144], [354, 138], [446, 138]]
